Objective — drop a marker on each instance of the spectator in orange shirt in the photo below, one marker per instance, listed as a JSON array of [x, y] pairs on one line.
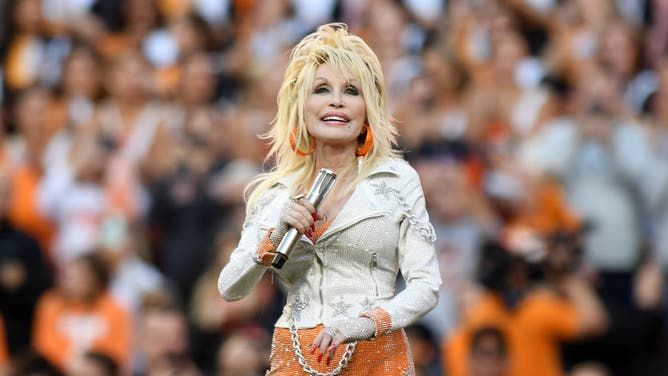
[[536, 313], [544, 207], [25, 150], [79, 315]]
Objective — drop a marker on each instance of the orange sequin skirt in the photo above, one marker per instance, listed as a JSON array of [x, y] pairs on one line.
[[387, 355]]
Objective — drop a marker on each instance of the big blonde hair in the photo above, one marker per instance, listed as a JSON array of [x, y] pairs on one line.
[[346, 53]]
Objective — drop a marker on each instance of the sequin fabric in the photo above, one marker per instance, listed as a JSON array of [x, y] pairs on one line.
[[355, 329], [388, 355], [264, 254], [320, 228], [381, 318], [354, 263], [426, 230], [350, 266]]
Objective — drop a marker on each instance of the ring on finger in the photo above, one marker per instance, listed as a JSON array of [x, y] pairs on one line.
[[331, 331], [297, 198]]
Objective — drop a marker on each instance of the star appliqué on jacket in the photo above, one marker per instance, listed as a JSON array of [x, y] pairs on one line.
[[340, 307], [382, 189], [367, 304]]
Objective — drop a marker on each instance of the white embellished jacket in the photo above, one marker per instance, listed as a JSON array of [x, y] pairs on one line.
[[384, 228]]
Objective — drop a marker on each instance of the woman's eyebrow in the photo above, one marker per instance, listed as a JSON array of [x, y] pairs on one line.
[[352, 82]]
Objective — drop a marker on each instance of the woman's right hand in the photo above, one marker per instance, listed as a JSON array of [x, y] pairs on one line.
[[300, 214]]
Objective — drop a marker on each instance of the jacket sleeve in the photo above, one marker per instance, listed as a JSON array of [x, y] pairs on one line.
[[242, 272], [416, 256]]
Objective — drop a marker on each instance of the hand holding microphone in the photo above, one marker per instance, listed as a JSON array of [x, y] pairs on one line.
[[321, 187]]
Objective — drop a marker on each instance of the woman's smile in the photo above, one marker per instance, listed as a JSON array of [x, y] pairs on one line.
[[336, 119]]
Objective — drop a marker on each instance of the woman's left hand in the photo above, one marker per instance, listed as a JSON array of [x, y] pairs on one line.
[[342, 331]]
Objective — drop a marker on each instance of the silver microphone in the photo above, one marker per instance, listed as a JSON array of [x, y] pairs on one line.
[[321, 187]]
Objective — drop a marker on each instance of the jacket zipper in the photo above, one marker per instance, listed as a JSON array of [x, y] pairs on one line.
[[372, 267]]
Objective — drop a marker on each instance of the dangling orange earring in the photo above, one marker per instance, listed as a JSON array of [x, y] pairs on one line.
[[293, 144], [368, 141]]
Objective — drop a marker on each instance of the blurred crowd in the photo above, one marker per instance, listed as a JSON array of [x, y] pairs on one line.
[[129, 128]]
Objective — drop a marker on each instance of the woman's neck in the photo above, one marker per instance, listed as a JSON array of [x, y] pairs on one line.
[[337, 160], [344, 165]]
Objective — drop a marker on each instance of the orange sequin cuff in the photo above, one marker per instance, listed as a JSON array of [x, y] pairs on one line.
[[264, 253], [382, 319], [320, 229]]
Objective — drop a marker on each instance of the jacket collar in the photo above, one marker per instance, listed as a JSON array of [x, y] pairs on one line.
[[387, 166], [366, 201]]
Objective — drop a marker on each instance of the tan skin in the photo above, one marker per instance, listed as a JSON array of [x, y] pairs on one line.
[[335, 117]]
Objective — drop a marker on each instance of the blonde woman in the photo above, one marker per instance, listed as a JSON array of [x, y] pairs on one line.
[[342, 315]]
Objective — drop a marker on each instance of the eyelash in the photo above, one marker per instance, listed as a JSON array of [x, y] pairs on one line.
[[352, 90]]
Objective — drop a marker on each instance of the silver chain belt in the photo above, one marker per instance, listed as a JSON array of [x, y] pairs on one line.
[[296, 345]]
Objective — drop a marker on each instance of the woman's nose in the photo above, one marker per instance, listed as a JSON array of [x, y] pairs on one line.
[[336, 100]]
